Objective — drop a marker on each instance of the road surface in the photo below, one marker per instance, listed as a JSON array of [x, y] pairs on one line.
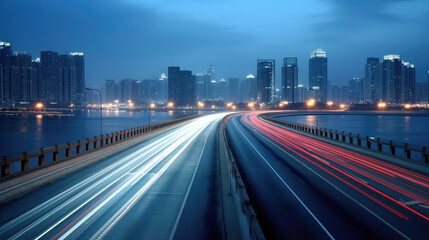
[[302, 188], [163, 188]]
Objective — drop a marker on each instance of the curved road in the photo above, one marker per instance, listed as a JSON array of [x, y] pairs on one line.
[[302, 188], [163, 188]]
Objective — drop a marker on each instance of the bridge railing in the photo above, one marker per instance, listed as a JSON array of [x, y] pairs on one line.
[[30, 160], [409, 152], [238, 191]]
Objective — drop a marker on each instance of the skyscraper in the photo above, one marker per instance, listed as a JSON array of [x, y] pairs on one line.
[[222, 89], [129, 91], [289, 79], [233, 90], [49, 76], [372, 86], [66, 79], [35, 80], [79, 63], [391, 78], [112, 91], [5, 53], [318, 74], [265, 80], [181, 87], [408, 88], [248, 89], [356, 87]]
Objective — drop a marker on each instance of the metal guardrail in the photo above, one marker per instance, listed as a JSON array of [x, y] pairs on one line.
[[237, 188], [368, 142], [80, 147]]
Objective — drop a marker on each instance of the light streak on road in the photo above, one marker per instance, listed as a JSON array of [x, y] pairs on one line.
[[126, 180]]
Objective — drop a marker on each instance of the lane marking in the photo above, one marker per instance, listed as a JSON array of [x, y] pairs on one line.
[[176, 223], [290, 189], [341, 191]]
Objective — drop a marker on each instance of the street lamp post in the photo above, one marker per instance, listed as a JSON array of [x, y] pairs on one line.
[[101, 107]]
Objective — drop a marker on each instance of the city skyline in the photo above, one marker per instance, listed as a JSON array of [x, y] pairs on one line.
[[222, 44]]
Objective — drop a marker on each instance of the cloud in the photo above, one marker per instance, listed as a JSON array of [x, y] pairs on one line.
[[119, 39]]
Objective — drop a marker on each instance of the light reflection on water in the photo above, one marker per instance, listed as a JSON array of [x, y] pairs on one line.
[[32, 131], [411, 129]]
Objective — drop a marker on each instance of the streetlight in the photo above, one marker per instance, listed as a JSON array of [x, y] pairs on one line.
[[101, 107], [381, 105], [39, 105], [170, 104], [330, 103], [251, 104], [407, 106]]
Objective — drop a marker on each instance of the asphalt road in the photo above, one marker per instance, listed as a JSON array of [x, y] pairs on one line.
[[163, 188], [302, 188]]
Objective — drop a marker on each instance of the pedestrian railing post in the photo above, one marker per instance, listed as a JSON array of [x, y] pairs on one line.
[[407, 152], [56, 154], [379, 145], [350, 138], [368, 142], [24, 162], [68, 150], [359, 140], [78, 147], [392, 147], [425, 155], [5, 168], [41, 158]]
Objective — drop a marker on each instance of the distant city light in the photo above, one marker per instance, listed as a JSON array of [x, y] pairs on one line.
[[285, 102], [407, 106], [311, 102], [343, 105], [251, 104], [39, 116], [116, 101], [382, 105], [229, 104], [200, 104], [330, 103], [281, 105], [213, 106], [152, 105], [170, 104], [39, 105], [234, 107]]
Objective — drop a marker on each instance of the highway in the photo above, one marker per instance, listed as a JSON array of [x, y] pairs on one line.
[[162, 188], [302, 188]]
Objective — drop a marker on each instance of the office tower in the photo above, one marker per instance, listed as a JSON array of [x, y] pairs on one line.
[[234, 90], [336, 93], [112, 91], [344, 94], [372, 88], [49, 77], [150, 92], [200, 87], [428, 88], [356, 87], [421, 92], [79, 63], [35, 79], [265, 80], [129, 91], [163, 87], [222, 89], [5, 53], [289, 79], [300, 93], [408, 87], [22, 86], [181, 87], [391, 78], [67, 83], [248, 89], [318, 74]]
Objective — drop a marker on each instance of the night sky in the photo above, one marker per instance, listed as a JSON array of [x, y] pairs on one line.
[[140, 39]]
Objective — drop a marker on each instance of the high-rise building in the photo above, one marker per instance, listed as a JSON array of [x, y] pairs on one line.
[[163, 88], [112, 91], [79, 63], [223, 89], [318, 74], [372, 85], [35, 80], [265, 80], [181, 87], [49, 77], [408, 88], [422, 92], [336, 93], [5, 53], [300, 93], [129, 91], [234, 90], [356, 89], [248, 89], [289, 79], [344, 94], [391, 78], [66, 79]]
